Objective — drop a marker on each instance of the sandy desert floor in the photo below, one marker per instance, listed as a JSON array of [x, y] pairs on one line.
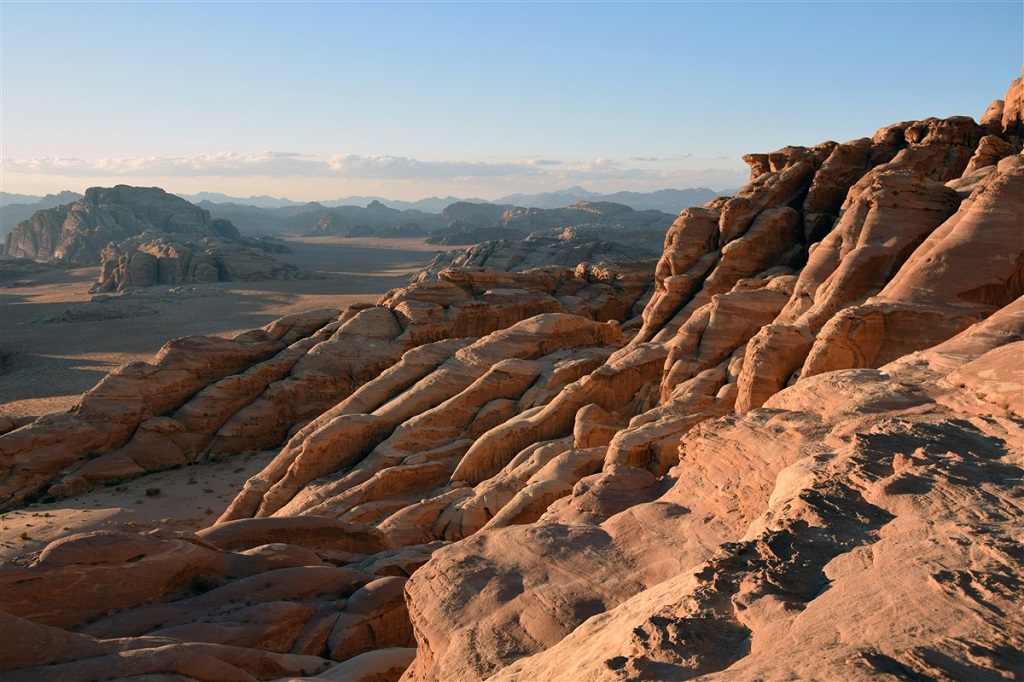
[[56, 342], [54, 347], [179, 499]]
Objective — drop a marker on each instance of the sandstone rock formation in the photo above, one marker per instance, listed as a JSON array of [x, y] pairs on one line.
[[568, 250], [204, 397], [791, 450], [473, 223], [150, 259], [141, 237], [523, 238], [77, 232]]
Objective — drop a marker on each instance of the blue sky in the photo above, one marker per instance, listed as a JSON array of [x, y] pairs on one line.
[[412, 99]]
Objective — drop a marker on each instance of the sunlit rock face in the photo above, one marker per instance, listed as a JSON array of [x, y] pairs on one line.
[[790, 450]]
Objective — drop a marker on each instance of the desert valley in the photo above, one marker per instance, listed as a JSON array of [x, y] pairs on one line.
[[774, 435]]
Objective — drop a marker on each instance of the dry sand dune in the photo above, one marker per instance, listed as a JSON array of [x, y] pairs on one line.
[[48, 362]]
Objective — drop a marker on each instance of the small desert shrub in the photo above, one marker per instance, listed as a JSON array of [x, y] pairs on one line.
[[152, 492]]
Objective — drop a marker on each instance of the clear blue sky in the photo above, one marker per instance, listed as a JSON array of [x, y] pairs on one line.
[[410, 99]]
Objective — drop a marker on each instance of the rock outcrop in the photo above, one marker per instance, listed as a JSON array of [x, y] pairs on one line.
[[150, 259], [523, 238], [79, 231], [474, 223], [791, 450], [141, 237], [206, 397]]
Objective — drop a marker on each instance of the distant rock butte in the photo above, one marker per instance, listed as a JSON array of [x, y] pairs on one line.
[[141, 236], [791, 449]]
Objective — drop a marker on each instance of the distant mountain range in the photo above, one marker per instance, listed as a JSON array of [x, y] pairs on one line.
[[429, 205], [15, 208], [666, 200], [52, 200], [264, 213]]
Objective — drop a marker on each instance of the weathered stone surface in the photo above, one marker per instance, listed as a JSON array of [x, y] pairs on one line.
[[715, 331], [32, 456], [846, 164], [970, 265], [771, 190], [154, 258], [865, 416], [375, 617], [1012, 121], [886, 216], [380, 665], [473, 376], [786, 469], [315, 532], [76, 578], [77, 232], [990, 150]]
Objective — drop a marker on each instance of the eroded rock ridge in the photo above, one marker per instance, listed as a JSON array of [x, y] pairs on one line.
[[792, 450]]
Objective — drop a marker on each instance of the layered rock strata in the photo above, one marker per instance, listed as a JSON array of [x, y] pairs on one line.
[[795, 453], [207, 397]]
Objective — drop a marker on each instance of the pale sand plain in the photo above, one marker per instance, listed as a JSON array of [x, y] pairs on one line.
[[49, 359]]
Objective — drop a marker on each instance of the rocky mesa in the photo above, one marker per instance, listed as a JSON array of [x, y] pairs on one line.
[[790, 450], [141, 236]]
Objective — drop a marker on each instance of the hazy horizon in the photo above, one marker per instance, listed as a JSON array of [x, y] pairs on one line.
[[206, 195], [413, 100]]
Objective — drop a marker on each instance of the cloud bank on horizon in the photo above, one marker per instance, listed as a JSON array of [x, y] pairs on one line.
[[311, 176]]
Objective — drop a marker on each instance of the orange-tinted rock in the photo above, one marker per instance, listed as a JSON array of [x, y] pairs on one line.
[[726, 323], [990, 150], [375, 617], [690, 495], [380, 665], [886, 215], [315, 532], [970, 265], [83, 576], [770, 191], [108, 414], [1013, 111]]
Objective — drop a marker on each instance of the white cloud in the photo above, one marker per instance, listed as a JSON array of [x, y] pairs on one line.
[[269, 168], [404, 168], [279, 164]]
